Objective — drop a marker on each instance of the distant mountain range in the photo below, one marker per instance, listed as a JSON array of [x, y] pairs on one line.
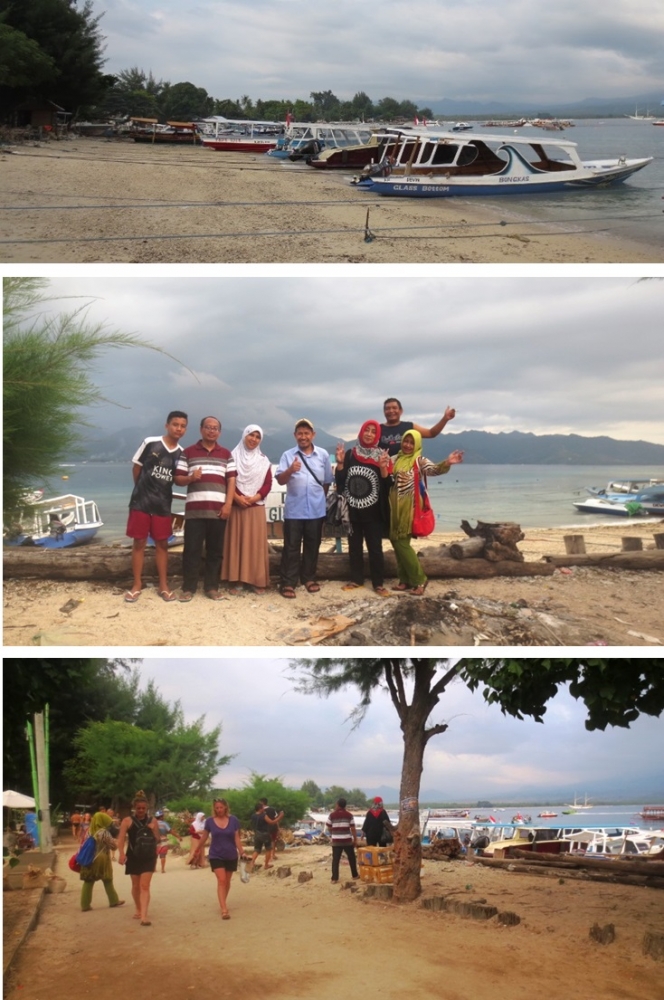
[[479, 447], [644, 791], [589, 107]]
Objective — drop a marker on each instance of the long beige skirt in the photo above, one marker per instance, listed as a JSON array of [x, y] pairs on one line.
[[245, 547]]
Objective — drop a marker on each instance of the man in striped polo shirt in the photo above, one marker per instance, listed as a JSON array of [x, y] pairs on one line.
[[341, 827], [208, 472]]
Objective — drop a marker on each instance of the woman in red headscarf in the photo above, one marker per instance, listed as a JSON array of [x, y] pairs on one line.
[[364, 475], [377, 827]]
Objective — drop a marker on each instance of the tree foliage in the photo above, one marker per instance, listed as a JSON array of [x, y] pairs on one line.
[[615, 692], [242, 801], [69, 40], [47, 364]]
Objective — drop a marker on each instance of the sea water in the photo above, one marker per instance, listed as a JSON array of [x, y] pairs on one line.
[[632, 210], [535, 496]]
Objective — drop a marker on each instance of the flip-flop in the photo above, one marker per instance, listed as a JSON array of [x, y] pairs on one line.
[[167, 595], [381, 591], [131, 596], [214, 595], [419, 590], [352, 586], [225, 916], [400, 586], [311, 587]]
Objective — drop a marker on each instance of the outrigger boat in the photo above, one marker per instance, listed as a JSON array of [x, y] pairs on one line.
[[239, 135], [57, 523], [429, 164], [303, 140]]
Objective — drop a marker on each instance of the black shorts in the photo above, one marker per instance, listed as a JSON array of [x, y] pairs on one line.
[[230, 866], [262, 840], [139, 866]]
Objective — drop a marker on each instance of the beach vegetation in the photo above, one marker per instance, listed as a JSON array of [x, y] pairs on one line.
[[64, 61], [614, 692], [48, 360], [242, 801]]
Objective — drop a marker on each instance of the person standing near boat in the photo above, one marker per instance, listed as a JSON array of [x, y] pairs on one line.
[[394, 427], [408, 462], [208, 472], [150, 504], [246, 559], [363, 476], [306, 472]]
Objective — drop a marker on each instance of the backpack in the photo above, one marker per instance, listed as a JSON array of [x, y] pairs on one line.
[[145, 845], [86, 852]]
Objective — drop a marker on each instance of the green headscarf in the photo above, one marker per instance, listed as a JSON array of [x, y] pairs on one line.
[[100, 821], [402, 494]]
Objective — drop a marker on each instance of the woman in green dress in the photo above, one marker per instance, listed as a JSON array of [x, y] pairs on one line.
[[402, 495], [101, 869]]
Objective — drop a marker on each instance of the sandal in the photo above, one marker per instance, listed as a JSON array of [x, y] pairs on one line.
[[260, 591], [419, 590], [186, 596], [214, 595], [311, 587], [352, 586], [287, 592], [120, 902], [131, 596], [400, 586], [381, 591], [167, 595]]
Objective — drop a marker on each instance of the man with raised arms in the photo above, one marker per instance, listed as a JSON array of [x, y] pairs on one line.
[[394, 427]]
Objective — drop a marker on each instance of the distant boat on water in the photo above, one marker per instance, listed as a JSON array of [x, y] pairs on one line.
[[580, 805], [636, 117]]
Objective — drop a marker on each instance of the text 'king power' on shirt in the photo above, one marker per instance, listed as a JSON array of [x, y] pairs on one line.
[[153, 490]]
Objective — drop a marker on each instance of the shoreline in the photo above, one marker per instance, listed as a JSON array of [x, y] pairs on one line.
[[576, 606], [239, 209]]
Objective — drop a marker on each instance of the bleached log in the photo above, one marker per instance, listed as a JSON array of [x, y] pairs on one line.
[[469, 547], [650, 559]]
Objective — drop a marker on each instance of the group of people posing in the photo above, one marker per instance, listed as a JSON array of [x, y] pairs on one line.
[[381, 479]]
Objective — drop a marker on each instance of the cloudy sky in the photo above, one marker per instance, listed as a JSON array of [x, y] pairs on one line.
[[278, 732], [542, 355], [423, 50]]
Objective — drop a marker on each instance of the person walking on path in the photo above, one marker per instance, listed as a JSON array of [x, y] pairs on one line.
[[140, 834], [196, 857], [223, 830], [306, 472], [208, 472], [363, 476], [341, 827], [262, 836], [408, 464], [164, 842], [394, 427], [246, 556], [101, 869], [150, 504]]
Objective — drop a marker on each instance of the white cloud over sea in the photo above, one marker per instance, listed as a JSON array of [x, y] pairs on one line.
[[541, 355], [422, 50], [274, 730]]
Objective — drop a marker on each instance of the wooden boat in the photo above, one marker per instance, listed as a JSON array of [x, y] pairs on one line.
[[239, 135], [305, 140], [57, 523], [149, 130], [651, 813], [424, 164]]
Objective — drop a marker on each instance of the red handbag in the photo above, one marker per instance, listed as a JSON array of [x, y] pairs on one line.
[[73, 863], [424, 519]]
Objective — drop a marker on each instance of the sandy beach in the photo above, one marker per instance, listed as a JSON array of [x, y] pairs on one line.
[[574, 607], [288, 939], [97, 200]]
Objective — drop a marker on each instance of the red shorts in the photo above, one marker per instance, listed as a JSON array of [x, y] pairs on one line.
[[140, 525]]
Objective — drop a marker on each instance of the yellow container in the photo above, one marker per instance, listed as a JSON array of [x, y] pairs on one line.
[[375, 856], [367, 873], [382, 875]]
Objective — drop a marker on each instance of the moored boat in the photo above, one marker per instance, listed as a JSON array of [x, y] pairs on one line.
[[617, 506], [149, 130], [462, 127], [57, 523], [304, 140], [239, 135], [423, 164]]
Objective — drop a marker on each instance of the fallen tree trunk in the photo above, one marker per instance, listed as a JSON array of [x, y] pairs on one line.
[[101, 562], [586, 875], [650, 559], [622, 865]]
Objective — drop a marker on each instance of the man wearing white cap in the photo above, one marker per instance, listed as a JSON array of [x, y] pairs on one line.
[[306, 472]]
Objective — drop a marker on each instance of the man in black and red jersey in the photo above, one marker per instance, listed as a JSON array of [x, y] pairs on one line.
[[150, 503], [208, 471], [394, 427]]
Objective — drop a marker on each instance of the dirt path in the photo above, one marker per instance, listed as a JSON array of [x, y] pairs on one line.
[[287, 940]]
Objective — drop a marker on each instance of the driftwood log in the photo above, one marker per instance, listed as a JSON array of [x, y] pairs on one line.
[[500, 539], [631, 864], [586, 874], [102, 562], [649, 559]]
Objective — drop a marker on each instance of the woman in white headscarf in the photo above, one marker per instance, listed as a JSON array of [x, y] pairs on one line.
[[246, 559]]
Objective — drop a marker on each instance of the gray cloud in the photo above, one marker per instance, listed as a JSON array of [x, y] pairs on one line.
[[422, 50], [556, 355]]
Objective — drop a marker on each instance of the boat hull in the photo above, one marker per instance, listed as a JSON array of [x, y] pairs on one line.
[[599, 506], [239, 145], [76, 536]]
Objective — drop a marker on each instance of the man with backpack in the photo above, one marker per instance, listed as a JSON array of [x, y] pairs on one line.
[[140, 834]]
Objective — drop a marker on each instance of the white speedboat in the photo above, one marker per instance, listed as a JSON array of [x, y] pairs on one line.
[[56, 523], [623, 507], [462, 127], [426, 164]]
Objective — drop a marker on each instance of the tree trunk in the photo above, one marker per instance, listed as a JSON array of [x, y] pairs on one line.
[[407, 840], [650, 559]]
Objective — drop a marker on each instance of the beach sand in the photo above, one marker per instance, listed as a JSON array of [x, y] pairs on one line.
[[97, 200], [574, 607], [288, 940]]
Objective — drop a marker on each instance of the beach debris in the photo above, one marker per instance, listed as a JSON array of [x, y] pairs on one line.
[[602, 935], [316, 630], [305, 876], [283, 871], [71, 605], [647, 638], [653, 945]]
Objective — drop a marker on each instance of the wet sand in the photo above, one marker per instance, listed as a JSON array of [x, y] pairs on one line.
[[101, 200]]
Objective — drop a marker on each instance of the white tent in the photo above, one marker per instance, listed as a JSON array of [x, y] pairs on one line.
[[15, 800]]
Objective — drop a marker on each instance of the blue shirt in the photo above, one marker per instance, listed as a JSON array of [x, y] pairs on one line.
[[305, 499]]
